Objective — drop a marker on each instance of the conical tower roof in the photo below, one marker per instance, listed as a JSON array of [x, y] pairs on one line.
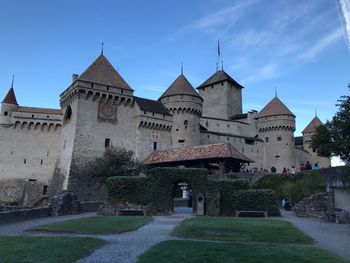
[[181, 86], [101, 71], [218, 77], [10, 98], [273, 108], [311, 127]]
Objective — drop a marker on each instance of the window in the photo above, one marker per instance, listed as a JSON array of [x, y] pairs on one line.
[[32, 116], [228, 138], [41, 162], [107, 142], [208, 136], [67, 114], [45, 190], [181, 141], [47, 116], [152, 113], [155, 144], [279, 138], [107, 88], [185, 122], [6, 113], [25, 161], [266, 139], [249, 141], [144, 112], [122, 91]]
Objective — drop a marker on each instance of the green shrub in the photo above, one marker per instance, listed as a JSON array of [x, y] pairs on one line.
[[295, 186], [256, 200], [127, 188], [156, 190], [227, 188]]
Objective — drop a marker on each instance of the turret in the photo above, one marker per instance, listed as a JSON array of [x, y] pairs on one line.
[[7, 106], [182, 100], [276, 126], [222, 96], [308, 132]]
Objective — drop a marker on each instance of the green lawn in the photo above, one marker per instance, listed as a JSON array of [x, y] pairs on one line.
[[201, 251], [46, 249], [97, 225], [241, 230]]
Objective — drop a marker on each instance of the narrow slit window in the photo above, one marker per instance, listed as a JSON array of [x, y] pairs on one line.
[[107, 142]]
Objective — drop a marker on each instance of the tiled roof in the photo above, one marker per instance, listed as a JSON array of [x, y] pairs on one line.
[[218, 77], [38, 110], [10, 98], [181, 86], [200, 152], [151, 105], [311, 127], [101, 71], [273, 108]]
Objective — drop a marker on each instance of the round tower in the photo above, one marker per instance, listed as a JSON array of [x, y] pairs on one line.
[[8, 105], [184, 103], [276, 126]]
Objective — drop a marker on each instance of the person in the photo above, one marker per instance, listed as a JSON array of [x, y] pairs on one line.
[[308, 166], [302, 167], [273, 169], [190, 198], [316, 167], [284, 171], [293, 170]]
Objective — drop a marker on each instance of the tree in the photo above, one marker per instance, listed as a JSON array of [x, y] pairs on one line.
[[333, 139], [116, 161]]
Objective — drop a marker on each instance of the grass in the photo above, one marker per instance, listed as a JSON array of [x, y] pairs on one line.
[[46, 249], [241, 230], [199, 251], [97, 225]]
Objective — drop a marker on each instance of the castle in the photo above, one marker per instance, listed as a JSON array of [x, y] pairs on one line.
[[42, 149]]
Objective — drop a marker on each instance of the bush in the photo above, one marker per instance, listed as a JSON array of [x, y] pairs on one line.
[[256, 200], [127, 189], [295, 186], [227, 188], [156, 190]]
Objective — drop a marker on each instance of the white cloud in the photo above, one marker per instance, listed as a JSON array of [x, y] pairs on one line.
[[320, 45], [224, 18], [268, 71], [345, 17]]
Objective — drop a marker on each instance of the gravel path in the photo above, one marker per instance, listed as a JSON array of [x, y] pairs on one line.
[[327, 235], [125, 248]]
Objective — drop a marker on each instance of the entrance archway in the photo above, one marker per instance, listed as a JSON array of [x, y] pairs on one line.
[[182, 197]]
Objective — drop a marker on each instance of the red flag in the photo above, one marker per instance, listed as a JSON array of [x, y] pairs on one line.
[[218, 48]]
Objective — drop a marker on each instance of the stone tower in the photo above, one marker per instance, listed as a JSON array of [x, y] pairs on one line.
[[184, 103], [7, 106], [222, 96], [308, 132], [97, 114], [276, 126]]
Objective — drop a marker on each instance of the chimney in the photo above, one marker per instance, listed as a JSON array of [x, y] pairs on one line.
[[75, 77]]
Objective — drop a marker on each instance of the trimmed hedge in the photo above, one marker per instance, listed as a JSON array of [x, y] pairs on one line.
[[257, 200], [221, 196], [156, 190], [227, 188]]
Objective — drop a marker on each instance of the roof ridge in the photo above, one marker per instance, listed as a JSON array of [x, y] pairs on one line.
[[180, 86], [218, 77], [10, 97], [102, 71], [273, 108]]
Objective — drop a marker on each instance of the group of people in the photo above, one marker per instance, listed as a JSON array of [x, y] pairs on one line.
[[285, 170], [287, 203], [308, 166]]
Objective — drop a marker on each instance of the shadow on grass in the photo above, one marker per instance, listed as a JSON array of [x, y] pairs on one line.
[[97, 225]]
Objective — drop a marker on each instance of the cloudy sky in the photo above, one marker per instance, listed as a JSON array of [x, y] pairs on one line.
[[299, 47]]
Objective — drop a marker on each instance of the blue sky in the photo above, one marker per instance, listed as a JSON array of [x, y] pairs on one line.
[[300, 47]]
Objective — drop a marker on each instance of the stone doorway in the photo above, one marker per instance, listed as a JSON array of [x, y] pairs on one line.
[[182, 197]]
